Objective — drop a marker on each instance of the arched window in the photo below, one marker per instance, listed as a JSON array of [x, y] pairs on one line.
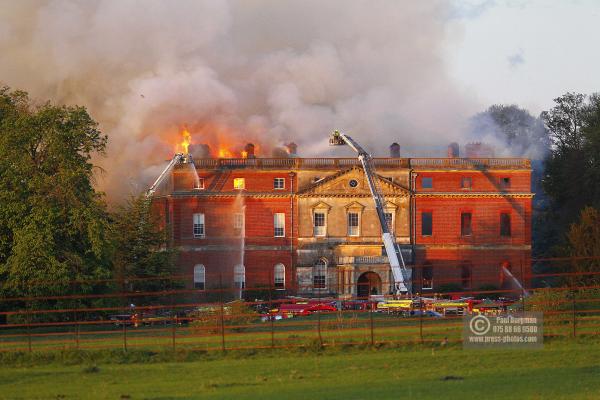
[[320, 274], [239, 276], [199, 277], [279, 276]]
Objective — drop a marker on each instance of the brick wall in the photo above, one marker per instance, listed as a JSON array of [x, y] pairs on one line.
[[485, 223], [489, 181], [484, 250]]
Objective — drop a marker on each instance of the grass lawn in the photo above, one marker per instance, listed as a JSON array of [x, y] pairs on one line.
[[562, 370]]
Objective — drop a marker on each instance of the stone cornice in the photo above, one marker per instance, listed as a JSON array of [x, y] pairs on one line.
[[494, 246], [204, 193], [522, 195]]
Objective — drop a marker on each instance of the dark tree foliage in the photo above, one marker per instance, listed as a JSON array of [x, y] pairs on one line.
[[565, 121], [54, 227], [572, 172], [142, 252], [520, 132], [584, 243]]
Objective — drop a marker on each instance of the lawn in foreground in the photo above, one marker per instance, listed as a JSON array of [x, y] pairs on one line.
[[562, 370]]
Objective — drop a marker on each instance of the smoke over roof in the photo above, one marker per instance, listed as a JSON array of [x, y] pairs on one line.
[[234, 72]]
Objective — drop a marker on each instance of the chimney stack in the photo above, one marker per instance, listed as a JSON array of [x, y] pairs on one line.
[[395, 150], [453, 150], [478, 150], [249, 149], [200, 150], [292, 149]]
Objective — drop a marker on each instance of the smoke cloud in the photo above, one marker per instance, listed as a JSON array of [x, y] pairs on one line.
[[232, 72]]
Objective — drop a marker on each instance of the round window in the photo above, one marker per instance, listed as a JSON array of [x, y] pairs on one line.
[[353, 183]]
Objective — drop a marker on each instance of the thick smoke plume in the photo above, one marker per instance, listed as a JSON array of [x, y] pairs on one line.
[[232, 72], [511, 131]]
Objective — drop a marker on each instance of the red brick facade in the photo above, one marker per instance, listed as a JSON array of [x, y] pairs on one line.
[[239, 223], [472, 257]]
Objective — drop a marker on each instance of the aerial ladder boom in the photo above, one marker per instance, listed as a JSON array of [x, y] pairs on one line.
[[177, 159], [400, 273]]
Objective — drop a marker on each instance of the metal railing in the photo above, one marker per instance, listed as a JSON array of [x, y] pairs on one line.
[[335, 163], [363, 260], [180, 316]]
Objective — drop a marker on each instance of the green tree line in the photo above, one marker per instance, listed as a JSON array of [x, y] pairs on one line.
[[57, 235]]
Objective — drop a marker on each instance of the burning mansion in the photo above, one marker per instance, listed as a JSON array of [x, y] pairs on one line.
[[308, 226]]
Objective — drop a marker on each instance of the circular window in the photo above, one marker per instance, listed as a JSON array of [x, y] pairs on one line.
[[353, 183]]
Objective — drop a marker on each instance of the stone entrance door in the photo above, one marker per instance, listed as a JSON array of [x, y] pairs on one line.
[[368, 283]]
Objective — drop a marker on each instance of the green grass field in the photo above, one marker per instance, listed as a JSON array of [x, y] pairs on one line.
[[564, 369], [334, 330]]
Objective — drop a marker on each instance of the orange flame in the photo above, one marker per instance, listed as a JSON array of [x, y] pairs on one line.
[[225, 153], [186, 141]]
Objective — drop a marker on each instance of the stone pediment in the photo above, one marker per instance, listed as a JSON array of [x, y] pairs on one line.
[[352, 183], [321, 205]]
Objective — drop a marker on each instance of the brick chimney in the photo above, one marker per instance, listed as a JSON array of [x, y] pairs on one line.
[[479, 150], [395, 150], [453, 150], [249, 149], [292, 149]]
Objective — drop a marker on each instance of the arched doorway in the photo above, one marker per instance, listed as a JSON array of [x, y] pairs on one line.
[[368, 283]]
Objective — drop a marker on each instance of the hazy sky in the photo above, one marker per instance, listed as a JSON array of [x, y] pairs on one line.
[[525, 52], [274, 71]]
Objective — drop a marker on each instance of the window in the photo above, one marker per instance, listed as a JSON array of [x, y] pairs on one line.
[[279, 276], [465, 224], [426, 223], [389, 220], [353, 183], [427, 276], [505, 183], [239, 276], [199, 226], [465, 275], [466, 182], [239, 183], [320, 228], [426, 183], [238, 223], [199, 184], [279, 183], [199, 277], [353, 227], [320, 274], [279, 224], [505, 224], [238, 220]]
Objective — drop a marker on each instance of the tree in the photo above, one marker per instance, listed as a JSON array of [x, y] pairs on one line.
[[584, 242], [142, 249], [54, 227], [573, 167], [518, 131], [565, 121]]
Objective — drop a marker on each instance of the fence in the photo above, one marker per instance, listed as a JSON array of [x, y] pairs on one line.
[[173, 315]]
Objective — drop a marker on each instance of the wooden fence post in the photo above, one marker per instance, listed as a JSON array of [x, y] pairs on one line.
[[271, 317], [222, 312]]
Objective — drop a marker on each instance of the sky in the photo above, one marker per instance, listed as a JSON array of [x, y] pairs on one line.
[[525, 52], [275, 71]]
